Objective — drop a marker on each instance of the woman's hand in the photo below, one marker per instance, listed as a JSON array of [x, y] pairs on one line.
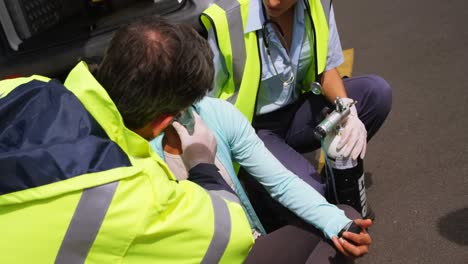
[[355, 245]]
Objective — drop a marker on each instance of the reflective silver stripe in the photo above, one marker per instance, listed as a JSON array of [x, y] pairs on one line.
[[85, 224], [227, 195], [326, 5], [222, 231], [7, 24], [233, 98], [236, 36]]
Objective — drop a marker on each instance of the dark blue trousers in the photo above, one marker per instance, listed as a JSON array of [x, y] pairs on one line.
[[298, 242], [288, 132]]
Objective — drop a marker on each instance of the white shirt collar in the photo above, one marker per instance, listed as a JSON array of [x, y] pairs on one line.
[[256, 19]]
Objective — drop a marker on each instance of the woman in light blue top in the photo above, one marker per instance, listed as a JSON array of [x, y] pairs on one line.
[[237, 141]]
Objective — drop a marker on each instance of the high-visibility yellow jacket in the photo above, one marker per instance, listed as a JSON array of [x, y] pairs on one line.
[[240, 48], [77, 186]]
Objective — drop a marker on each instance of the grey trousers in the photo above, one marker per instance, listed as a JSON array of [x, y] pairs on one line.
[[298, 243]]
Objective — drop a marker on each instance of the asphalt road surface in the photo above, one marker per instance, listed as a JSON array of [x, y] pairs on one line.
[[419, 160]]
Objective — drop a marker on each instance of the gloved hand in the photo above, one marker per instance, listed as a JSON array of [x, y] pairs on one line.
[[354, 138], [200, 147]]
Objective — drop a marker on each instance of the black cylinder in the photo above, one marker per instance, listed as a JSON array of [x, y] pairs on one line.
[[347, 185]]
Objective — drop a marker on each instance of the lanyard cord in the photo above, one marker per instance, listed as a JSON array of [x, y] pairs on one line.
[[266, 42]]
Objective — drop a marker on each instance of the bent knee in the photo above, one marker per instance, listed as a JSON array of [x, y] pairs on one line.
[[381, 92], [382, 87], [385, 95]]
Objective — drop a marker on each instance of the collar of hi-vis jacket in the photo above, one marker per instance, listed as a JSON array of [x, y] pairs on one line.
[[74, 138], [98, 103]]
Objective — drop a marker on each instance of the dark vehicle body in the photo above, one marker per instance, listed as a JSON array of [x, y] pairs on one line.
[[48, 37]]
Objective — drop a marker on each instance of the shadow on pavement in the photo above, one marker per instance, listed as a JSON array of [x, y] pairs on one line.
[[453, 226]]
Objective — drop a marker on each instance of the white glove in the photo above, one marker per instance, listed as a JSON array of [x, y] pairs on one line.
[[354, 134], [200, 147]]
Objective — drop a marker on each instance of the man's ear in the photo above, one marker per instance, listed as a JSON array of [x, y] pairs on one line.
[[160, 123]]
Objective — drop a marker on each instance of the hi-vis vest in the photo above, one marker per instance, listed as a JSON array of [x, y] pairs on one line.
[[77, 186], [228, 19]]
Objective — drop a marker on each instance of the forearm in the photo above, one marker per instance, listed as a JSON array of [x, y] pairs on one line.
[[293, 193], [282, 184], [208, 176], [332, 85], [308, 204]]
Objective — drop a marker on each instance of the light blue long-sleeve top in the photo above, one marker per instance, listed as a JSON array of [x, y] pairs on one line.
[[272, 94], [238, 142]]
